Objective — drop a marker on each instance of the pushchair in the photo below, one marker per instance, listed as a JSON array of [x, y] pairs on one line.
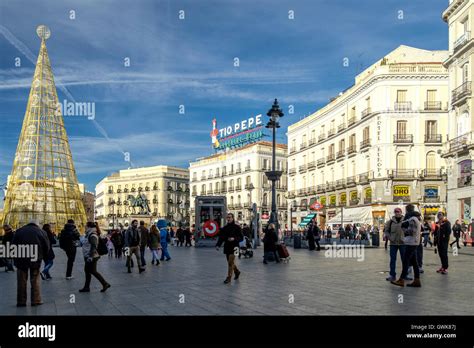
[[246, 248]]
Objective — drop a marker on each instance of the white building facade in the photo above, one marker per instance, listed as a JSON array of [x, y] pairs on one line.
[[459, 149], [239, 175], [378, 144], [165, 188]]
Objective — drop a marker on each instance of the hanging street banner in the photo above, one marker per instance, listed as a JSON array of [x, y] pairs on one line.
[[241, 133]]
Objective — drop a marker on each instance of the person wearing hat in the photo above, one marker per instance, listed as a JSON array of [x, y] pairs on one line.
[[393, 232], [162, 224]]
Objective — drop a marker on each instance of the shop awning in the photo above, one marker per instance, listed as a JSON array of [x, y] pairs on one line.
[[356, 215], [306, 220]]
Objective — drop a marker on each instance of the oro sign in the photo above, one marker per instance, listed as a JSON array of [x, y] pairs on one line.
[[210, 228]]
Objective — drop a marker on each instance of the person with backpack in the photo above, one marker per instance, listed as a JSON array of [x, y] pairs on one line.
[[164, 239], [67, 241], [132, 246], [91, 251], [50, 257], [393, 232], [411, 227]]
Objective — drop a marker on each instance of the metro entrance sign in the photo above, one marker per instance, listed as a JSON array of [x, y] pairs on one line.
[[210, 228], [316, 206]]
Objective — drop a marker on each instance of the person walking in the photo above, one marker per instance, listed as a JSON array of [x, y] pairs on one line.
[[50, 257], [348, 231], [30, 236], [230, 235], [155, 244], [188, 236], [6, 241], [144, 241], [442, 233], [341, 233], [270, 244], [328, 234], [164, 239], [110, 247], [132, 245], [311, 234], [393, 233], [180, 237], [456, 233], [91, 257], [411, 227], [67, 241], [117, 240], [426, 232]]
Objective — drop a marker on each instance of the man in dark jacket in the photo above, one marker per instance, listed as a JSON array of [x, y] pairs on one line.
[[132, 246], [231, 235], [67, 241], [456, 233], [442, 234], [32, 237], [144, 241], [313, 235], [8, 238], [269, 244]]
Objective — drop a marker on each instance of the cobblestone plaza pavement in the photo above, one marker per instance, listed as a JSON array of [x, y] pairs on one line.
[[320, 286]]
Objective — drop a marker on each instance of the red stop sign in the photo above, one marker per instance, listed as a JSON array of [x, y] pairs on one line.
[[210, 228], [316, 206]]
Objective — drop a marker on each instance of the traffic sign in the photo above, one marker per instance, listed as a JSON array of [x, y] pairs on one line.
[[210, 228], [316, 206]]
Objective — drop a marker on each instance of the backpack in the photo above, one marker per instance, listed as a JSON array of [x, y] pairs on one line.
[[101, 245]]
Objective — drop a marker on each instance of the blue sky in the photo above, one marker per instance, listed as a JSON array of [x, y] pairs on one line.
[[190, 62]]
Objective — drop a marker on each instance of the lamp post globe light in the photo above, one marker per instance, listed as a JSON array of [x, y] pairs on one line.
[[273, 175]]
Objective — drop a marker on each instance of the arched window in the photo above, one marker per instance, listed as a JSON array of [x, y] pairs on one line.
[[265, 199], [217, 186], [401, 161], [278, 200], [247, 180], [239, 182], [231, 184]]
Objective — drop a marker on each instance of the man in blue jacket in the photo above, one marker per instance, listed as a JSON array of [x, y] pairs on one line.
[[161, 224]]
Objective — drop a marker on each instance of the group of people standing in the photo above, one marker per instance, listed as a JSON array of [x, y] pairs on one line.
[[404, 232]]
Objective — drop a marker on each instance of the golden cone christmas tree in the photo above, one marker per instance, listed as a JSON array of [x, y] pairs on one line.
[[43, 183]]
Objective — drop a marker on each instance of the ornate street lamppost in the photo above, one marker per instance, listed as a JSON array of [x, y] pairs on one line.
[[274, 113]]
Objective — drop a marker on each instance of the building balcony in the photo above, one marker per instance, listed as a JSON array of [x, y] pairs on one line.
[[238, 171], [402, 106], [125, 190], [231, 189], [231, 172], [321, 137], [433, 105], [203, 177], [224, 173], [340, 184], [434, 174], [247, 205], [312, 141], [230, 206], [282, 206], [292, 171], [320, 188], [330, 186], [248, 169], [461, 93], [312, 164], [403, 138], [312, 190], [366, 112], [330, 158], [321, 162], [461, 143], [238, 206], [217, 175], [365, 177], [291, 194], [433, 139], [194, 194], [404, 174], [303, 168], [352, 150], [119, 191], [301, 192], [292, 150], [110, 191], [209, 192], [238, 188], [462, 40], [341, 154], [365, 144], [341, 127], [464, 181], [351, 121], [331, 132], [303, 146], [249, 186], [351, 181]]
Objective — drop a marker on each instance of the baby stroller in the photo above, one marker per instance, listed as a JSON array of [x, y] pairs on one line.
[[246, 248]]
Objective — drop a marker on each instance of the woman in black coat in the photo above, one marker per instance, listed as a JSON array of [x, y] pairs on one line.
[[48, 263], [269, 244], [311, 234]]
